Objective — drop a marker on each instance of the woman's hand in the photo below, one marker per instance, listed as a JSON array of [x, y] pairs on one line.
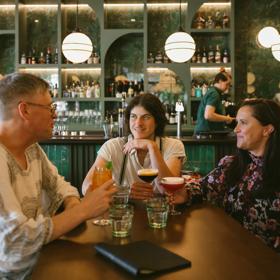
[[141, 191], [138, 144], [181, 196]]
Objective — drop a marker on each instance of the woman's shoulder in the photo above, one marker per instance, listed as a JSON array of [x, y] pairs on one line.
[[116, 140], [226, 160], [113, 143], [172, 142]]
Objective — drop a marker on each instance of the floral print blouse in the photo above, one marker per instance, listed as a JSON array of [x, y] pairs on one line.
[[261, 216]]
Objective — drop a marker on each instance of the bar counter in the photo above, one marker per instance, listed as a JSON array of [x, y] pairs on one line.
[[74, 155], [216, 244]]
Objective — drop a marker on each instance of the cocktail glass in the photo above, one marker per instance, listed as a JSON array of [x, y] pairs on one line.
[[171, 185], [101, 175], [147, 174]]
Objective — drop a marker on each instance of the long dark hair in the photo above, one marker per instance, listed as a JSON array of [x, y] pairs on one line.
[[153, 105], [266, 112]]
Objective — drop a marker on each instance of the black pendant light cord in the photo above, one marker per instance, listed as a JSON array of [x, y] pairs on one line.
[[180, 20], [77, 12]]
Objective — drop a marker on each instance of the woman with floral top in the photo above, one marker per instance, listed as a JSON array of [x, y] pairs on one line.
[[247, 185]]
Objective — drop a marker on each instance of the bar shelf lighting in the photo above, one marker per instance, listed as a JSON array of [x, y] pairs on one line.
[[208, 69], [81, 69], [141, 5], [156, 69]]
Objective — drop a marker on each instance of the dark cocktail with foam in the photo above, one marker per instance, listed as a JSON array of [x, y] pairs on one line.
[[148, 174]]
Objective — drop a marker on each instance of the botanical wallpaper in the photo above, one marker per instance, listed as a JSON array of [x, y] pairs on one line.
[[250, 17]]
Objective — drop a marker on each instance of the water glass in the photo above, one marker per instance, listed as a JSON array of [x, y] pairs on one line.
[[121, 220], [120, 199], [157, 212]]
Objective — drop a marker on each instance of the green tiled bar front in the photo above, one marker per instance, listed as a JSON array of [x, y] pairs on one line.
[[200, 158], [60, 156]]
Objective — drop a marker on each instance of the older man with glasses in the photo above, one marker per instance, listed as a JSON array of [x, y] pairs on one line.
[[31, 190]]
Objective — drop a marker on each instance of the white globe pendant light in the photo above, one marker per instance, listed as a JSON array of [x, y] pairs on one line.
[[267, 36], [179, 46], [275, 48], [76, 46]]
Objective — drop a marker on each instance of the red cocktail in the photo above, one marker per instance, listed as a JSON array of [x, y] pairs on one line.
[[171, 185]]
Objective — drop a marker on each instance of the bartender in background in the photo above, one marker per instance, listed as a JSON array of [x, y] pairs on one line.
[[210, 115]]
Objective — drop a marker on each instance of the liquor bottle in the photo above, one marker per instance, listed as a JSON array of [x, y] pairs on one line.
[[150, 58], [92, 90], [165, 58], [141, 86], [119, 89], [200, 21], [204, 56], [56, 56], [210, 24], [130, 90], [120, 122], [194, 57], [42, 58], [198, 91], [29, 58], [218, 19], [97, 90], [225, 56], [225, 21], [55, 91], [23, 59], [33, 57], [198, 56], [136, 87], [66, 92], [159, 57], [95, 59], [211, 55], [88, 90], [218, 58], [48, 56]]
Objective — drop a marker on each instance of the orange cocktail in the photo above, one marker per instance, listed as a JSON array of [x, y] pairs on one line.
[[100, 176]]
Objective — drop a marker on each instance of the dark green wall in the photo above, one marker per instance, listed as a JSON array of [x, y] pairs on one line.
[[250, 17]]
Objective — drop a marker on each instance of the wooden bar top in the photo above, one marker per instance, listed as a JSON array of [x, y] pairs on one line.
[[217, 245]]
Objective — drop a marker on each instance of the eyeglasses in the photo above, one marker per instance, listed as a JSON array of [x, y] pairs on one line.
[[51, 107]]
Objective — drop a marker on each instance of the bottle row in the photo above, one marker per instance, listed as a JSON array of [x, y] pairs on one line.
[[81, 89], [125, 88], [47, 57], [35, 57], [211, 55], [160, 57], [213, 20]]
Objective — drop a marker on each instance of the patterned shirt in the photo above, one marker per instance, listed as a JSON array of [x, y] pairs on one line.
[[28, 199], [261, 216]]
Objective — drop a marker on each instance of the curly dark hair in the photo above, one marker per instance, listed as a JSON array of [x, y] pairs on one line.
[[266, 112], [154, 106]]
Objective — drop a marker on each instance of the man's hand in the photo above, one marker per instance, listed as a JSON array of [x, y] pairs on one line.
[[96, 202]]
